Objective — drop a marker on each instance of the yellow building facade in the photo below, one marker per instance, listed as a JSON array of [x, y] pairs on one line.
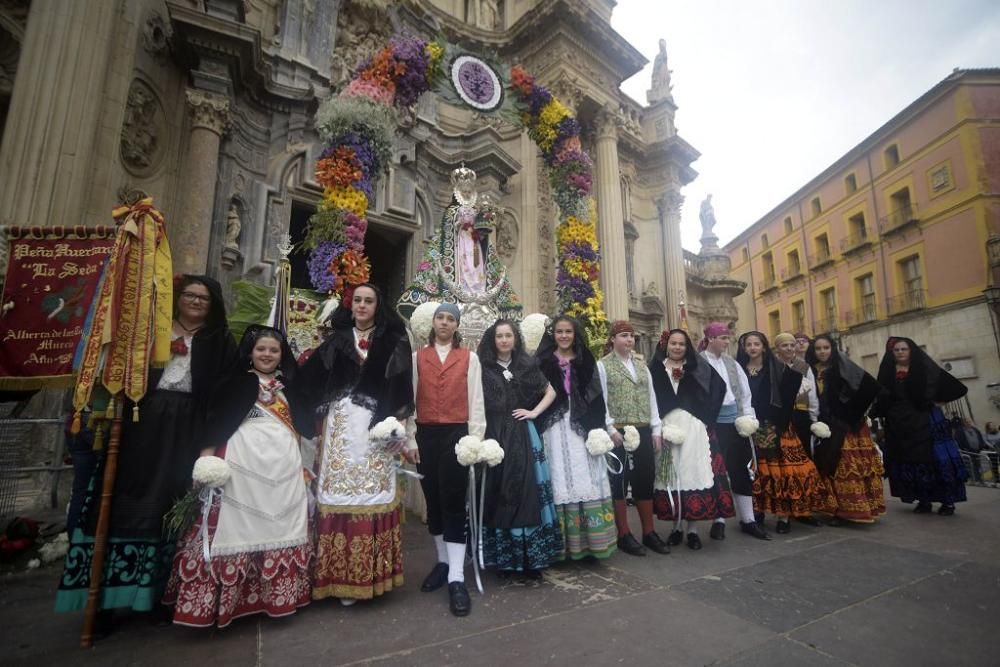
[[893, 239]]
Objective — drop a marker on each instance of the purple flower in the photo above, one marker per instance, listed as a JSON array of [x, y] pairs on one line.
[[540, 96], [413, 82], [319, 265], [580, 251]]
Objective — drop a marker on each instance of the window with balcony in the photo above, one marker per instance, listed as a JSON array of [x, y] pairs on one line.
[[912, 296], [828, 310], [851, 184], [891, 155], [799, 316], [857, 233], [770, 277], [865, 287], [822, 245], [793, 266], [902, 211], [815, 206], [774, 323], [788, 225]]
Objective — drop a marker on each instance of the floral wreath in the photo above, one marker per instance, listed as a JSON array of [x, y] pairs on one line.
[[357, 126]]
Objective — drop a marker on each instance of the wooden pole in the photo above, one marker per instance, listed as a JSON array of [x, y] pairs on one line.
[[103, 519]]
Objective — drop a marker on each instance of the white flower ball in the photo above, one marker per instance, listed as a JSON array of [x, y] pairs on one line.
[[631, 438], [599, 442], [211, 471], [387, 430], [673, 434], [746, 425], [532, 330], [469, 450], [421, 322], [491, 453], [820, 430]]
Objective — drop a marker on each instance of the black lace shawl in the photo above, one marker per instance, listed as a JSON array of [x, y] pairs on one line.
[[585, 402], [382, 384], [926, 383], [701, 390], [511, 488], [779, 384]]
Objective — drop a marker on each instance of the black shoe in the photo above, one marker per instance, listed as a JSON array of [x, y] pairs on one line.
[[436, 579], [783, 527], [946, 510], [655, 543], [458, 598], [759, 518], [675, 538], [718, 531], [629, 545], [533, 575], [923, 508], [694, 542], [836, 522], [754, 529], [808, 520]]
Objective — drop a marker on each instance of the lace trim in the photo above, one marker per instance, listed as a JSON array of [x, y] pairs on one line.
[[251, 548]]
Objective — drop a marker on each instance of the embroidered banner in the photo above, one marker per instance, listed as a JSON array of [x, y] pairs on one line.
[[52, 274]]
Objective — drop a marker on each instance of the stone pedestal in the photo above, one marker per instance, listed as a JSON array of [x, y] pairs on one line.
[[193, 229], [48, 153], [610, 226], [669, 207]]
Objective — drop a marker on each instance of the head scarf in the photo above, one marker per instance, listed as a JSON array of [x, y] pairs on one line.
[[712, 330], [617, 327], [385, 317], [253, 333], [783, 337], [487, 351], [449, 308], [926, 383]]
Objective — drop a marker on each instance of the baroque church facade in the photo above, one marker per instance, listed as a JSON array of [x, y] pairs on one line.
[[207, 106]]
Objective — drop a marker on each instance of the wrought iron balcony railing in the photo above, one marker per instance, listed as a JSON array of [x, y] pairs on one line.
[[863, 315], [855, 242], [902, 217], [907, 302]]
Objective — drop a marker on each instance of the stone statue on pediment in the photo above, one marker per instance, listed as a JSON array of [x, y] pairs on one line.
[[661, 88]]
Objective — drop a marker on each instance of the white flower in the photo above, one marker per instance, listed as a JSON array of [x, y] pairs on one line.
[[491, 453], [211, 471], [746, 425], [469, 450], [507, 375], [673, 434], [599, 442], [421, 322], [532, 330], [387, 430], [631, 439], [820, 430]]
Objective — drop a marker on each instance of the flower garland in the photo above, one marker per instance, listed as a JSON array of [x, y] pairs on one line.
[[358, 127]]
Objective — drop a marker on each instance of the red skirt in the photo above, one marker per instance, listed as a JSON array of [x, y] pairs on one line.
[[856, 485], [787, 482], [274, 582], [715, 502], [358, 556]]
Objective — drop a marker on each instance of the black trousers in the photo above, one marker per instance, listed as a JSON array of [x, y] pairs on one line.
[[737, 453], [640, 468], [445, 481]]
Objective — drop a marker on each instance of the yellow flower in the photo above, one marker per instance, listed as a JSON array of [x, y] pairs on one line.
[[348, 198], [435, 52]]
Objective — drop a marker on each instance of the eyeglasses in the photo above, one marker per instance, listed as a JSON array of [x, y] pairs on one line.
[[196, 298]]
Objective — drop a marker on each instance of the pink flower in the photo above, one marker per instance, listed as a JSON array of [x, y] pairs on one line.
[[360, 88]]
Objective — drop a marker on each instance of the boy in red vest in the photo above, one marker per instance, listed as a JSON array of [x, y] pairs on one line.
[[447, 383]]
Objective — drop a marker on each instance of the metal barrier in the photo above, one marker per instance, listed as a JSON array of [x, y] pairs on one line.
[[983, 468], [31, 462]]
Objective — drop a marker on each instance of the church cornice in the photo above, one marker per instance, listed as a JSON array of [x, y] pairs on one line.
[[198, 35]]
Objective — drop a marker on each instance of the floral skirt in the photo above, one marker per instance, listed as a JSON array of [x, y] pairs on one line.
[[535, 547], [715, 502], [940, 481], [787, 482], [358, 555], [856, 485], [275, 582], [588, 529]]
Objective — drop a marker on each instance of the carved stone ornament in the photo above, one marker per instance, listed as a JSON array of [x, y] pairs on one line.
[[143, 130], [208, 111], [156, 35], [362, 28], [507, 237]]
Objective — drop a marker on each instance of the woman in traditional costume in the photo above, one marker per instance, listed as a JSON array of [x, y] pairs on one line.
[[155, 459], [689, 394], [580, 486], [257, 555], [922, 459], [848, 460], [521, 532], [787, 483], [362, 374]]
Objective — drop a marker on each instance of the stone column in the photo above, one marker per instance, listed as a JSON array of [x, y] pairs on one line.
[[674, 280], [48, 155], [193, 227], [610, 226]]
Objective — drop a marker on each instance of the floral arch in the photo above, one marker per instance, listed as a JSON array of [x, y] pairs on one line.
[[357, 127]]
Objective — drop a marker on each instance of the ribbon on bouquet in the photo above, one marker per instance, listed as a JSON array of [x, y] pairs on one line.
[[207, 496], [752, 463], [610, 466], [476, 523]]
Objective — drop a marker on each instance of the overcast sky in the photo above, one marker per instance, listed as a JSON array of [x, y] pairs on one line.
[[771, 92]]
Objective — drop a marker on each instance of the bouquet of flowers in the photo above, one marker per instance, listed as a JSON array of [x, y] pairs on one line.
[[469, 450], [491, 453], [746, 426], [389, 434], [631, 438], [599, 442], [820, 430], [421, 322], [673, 434], [211, 471], [532, 329]]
